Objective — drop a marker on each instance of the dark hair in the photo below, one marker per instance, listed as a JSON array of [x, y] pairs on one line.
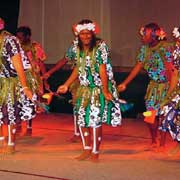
[[25, 30], [154, 27], [94, 38], [85, 21]]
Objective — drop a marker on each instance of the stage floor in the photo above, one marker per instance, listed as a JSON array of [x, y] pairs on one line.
[[48, 154]]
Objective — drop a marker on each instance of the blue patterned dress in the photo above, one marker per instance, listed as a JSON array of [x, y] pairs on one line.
[[14, 105], [91, 108], [171, 111], [154, 59]]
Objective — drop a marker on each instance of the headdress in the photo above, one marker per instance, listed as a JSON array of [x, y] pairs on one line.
[[1, 24], [176, 32], [160, 33], [77, 28]]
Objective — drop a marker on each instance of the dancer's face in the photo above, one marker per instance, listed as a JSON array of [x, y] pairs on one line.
[[22, 38], [86, 37]]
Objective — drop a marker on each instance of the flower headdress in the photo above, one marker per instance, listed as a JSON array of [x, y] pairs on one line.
[[77, 28], [160, 33], [1, 24], [176, 32], [142, 33]]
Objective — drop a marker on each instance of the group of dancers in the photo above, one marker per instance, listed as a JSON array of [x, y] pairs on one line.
[[95, 94]]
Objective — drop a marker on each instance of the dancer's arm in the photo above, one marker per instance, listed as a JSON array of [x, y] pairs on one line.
[[18, 66], [104, 80], [136, 69], [57, 66], [64, 88]]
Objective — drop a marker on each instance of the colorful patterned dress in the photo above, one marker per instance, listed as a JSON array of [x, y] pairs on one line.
[[171, 111], [91, 108], [154, 61], [14, 105], [36, 55]]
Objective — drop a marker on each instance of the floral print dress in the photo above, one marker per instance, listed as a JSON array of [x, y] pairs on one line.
[[171, 111], [14, 105], [36, 56], [154, 61], [91, 108]]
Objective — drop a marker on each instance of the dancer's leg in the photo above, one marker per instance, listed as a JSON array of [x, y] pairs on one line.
[[86, 142], [153, 128], [1, 133], [29, 127], [11, 139], [76, 135], [97, 138]]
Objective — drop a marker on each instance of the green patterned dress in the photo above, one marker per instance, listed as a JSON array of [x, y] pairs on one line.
[[91, 108]]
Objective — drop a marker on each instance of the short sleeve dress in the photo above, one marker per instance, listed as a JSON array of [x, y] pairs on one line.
[[91, 108], [171, 110], [36, 56], [14, 105], [155, 60]]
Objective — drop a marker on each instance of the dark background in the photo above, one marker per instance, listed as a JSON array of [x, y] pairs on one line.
[[9, 11]]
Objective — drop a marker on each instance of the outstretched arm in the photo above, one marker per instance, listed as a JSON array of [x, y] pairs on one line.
[[57, 66], [104, 80], [64, 88], [136, 69]]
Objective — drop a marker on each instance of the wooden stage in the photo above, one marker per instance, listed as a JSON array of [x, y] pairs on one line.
[[48, 154]]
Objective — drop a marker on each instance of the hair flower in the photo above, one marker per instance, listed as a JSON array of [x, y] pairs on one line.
[[161, 34], [141, 31], [175, 32]]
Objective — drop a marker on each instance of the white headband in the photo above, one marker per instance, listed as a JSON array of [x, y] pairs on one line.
[[91, 26]]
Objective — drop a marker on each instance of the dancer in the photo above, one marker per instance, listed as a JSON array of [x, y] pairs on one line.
[[155, 56], [36, 55], [15, 99], [171, 107], [97, 98]]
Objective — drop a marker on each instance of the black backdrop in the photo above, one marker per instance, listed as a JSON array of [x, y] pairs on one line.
[[9, 11]]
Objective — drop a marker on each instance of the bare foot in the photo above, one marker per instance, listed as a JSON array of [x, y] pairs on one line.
[[94, 157], [85, 155]]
